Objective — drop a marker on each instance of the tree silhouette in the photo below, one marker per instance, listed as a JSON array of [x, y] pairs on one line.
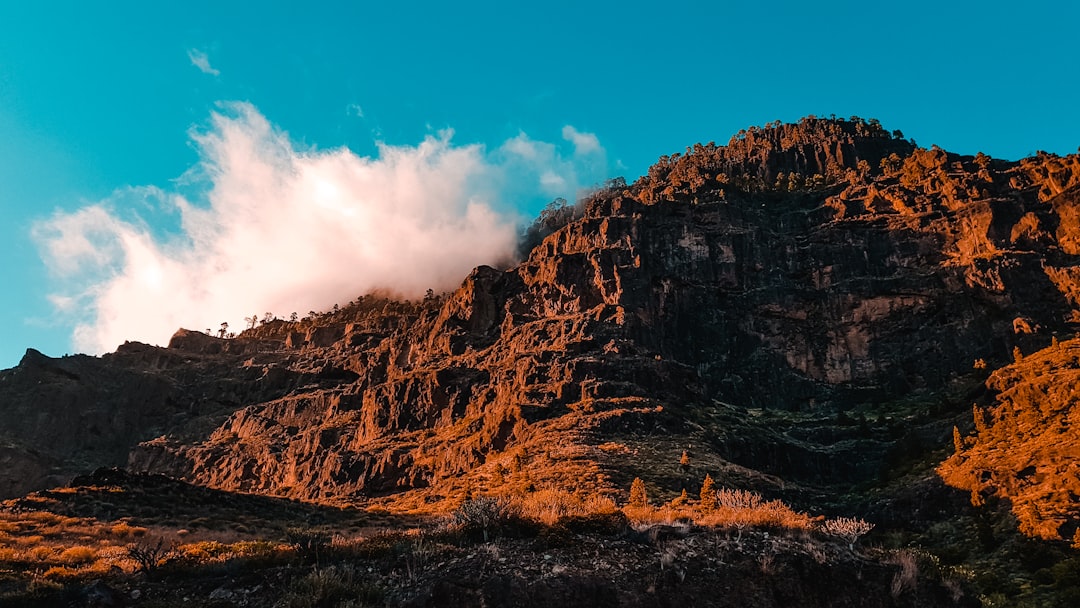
[[224, 329]]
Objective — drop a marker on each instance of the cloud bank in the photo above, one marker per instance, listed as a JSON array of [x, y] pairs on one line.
[[274, 228]]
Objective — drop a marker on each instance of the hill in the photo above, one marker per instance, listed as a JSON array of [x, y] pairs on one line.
[[805, 313]]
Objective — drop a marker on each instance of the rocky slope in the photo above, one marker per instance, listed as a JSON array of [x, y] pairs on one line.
[[804, 270], [815, 267]]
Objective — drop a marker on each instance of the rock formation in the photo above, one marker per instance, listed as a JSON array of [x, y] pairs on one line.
[[818, 269]]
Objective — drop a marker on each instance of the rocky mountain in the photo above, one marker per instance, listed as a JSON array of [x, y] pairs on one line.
[[806, 312]]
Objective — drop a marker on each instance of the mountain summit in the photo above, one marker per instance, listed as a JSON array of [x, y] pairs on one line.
[[805, 312]]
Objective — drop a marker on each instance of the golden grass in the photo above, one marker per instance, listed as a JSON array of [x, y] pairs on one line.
[[78, 555], [733, 509], [548, 506], [124, 530]]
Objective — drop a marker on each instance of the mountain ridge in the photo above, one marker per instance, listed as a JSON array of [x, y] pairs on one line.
[[800, 312]]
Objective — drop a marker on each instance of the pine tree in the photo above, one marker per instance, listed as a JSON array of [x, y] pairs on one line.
[[708, 493], [638, 498], [980, 421], [684, 461], [958, 441]]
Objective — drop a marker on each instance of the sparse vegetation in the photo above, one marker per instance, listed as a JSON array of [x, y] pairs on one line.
[[148, 557], [309, 544], [848, 528]]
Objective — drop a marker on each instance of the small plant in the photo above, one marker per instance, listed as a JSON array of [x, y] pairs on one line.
[[308, 543], [906, 577], [681, 499], [484, 513], [738, 499], [638, 497], [847, 528], [148, 557], [78, 555], [708, 494]]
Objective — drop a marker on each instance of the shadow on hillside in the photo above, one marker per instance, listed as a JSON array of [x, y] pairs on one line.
[[109, 495]]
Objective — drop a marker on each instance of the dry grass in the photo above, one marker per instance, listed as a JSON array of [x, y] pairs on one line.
[[733, 508], [548, 506], [78, 555], [125, 530]]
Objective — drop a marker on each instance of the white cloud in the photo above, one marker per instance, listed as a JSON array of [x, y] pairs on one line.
[[552, 182], [278, 229], [584, 143], [554, 173], [354, 109], [201, 61]]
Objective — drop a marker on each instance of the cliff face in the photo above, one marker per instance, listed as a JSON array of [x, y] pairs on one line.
[[806, 269]]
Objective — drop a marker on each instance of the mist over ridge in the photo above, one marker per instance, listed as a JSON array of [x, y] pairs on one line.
[[273, 227]]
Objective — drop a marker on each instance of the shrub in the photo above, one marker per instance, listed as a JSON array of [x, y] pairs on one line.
[[907, 575], [148, 557], [847, 528], [308, 543], [41, 553], [737, 499], [638, 497], [483, 514], [78, 555], [708, 494], [681, 499], [124, 529]]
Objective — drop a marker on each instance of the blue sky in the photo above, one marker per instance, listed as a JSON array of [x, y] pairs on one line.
[[122, 107]]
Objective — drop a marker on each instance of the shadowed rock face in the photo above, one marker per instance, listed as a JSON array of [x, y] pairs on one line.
[[811, 267]]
